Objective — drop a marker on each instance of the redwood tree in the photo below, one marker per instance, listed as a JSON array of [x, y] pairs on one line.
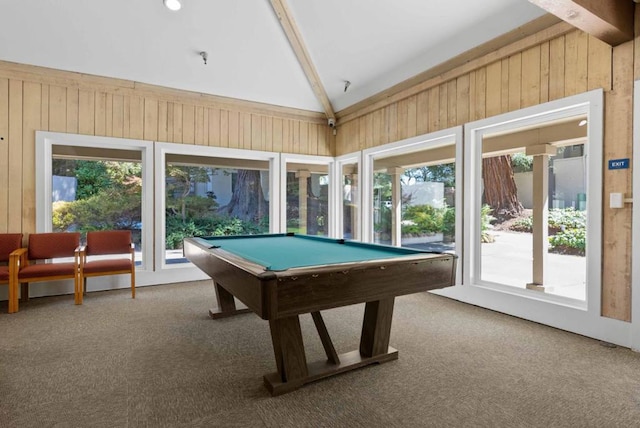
[[247, 201], [500, 190]]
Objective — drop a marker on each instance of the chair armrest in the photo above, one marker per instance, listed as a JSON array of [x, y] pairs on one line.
[[80, 255], [17, 259]]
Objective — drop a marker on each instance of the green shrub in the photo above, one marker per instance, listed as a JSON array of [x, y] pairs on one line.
[[569, 241], [485, 223], [176, 229]]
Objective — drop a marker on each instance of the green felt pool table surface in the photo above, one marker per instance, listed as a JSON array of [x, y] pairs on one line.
[[278, 252]]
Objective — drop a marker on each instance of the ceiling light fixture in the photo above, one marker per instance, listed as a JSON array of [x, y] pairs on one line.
[[172, 4], [346, 85]]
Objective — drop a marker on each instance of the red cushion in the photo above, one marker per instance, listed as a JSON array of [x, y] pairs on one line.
[[4, 273], [111, 265], [52, 245], [109, 242], [47, 269], [8, 243]]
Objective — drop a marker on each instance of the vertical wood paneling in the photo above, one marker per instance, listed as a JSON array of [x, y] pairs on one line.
[[530, 86], [101, 114], [481, 93], [361, 137], [136, 117], [582, 51], [286, 135], [403, 122], [202, 126], [312, 138], [86, 109], [267, 127], [378, 127], [515, 71], [504, 90], [245, 131], [57, 109], [616, 284], [277, 134], [571, 63], [158, 122], [422, 113], [494, 88], [214, 127], [188, 124], [234, 130], [44, 108], [392, 122], [4, 155], [108, 115], [224, 128], [462, 99], [556, 68], [150, 129], [599, 65], [32, 93], [368, 132], [72, 110], [544, 72], [177, 123], [118, 116], [444, 108], [256, 132], [452, 96], [434, 109], [14, 210]]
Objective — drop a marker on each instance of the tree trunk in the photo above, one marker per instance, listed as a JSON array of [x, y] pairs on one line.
[[500, 191], [247, 201]]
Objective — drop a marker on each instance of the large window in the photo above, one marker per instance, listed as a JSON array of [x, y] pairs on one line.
[[216, 192], [89, 183], [347, 179], [306, 194], [415, 192]]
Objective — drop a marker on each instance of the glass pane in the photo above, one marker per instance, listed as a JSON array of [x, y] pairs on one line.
[[350, 209], [428, 207], [307, 202], [516, 249], [382, 208], [97, 195], [209, 201]]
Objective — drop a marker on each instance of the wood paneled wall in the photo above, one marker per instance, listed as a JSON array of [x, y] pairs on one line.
[[38, 99], [555, 63]]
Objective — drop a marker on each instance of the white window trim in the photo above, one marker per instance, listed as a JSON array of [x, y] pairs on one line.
[[44, 151], [336, 180], [161, 151], [286, 158], [634, 340], [568, 314], [445, 137]]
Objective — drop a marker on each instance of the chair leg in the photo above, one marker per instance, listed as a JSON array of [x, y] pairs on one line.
[[11, 296], [24, 292], [133, 283], [78, 290]]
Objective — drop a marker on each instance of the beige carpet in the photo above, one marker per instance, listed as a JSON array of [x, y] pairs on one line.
[[159, 360]]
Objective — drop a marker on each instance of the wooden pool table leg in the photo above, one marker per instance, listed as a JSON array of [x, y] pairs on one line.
[[291, 360], [293, 370], [226, 304], [376, 327]]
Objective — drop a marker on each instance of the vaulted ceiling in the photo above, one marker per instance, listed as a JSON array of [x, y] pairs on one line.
[[373, 44]]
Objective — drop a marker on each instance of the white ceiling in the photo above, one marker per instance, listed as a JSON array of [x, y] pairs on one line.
[[372, 43]]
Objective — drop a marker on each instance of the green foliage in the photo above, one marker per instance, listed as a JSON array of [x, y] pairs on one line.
[[485, 223], [444, 173], [423, 219], [92, 178], [569, 241], [108, 209], [567, 228], [177, 230], [521, 162]]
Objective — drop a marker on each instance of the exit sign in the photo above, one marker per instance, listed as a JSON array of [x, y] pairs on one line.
[[619, 163]]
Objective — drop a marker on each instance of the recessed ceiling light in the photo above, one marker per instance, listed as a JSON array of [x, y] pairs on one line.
[[172, 4]]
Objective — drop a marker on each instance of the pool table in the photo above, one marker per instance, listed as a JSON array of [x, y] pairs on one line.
[[280, 276]]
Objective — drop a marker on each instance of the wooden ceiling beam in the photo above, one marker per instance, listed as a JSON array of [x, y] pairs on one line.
[[608, 20], [297, 43]]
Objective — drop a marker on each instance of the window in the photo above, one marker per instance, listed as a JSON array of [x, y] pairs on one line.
[[96, 183], [212, 192]]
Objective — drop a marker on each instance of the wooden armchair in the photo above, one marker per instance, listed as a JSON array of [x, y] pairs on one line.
[[9, 242], [38, 263], [108, 243]]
